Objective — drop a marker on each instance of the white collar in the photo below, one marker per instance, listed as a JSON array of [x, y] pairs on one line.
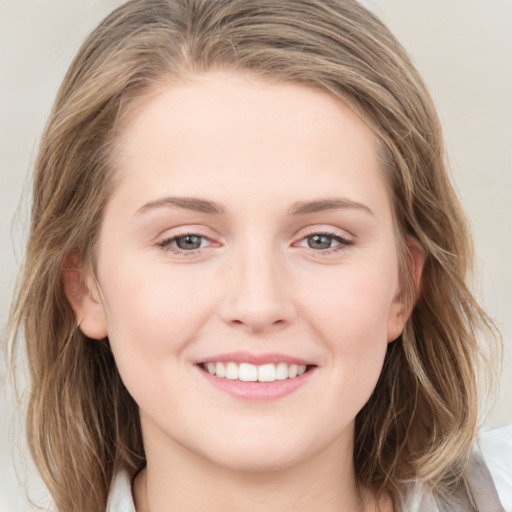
[[120, 498]]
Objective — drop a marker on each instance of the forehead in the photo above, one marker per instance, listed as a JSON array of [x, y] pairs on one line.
[[226, 96], [236, 130]]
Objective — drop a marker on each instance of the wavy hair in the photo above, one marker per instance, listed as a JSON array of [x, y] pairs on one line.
[[82, 424]]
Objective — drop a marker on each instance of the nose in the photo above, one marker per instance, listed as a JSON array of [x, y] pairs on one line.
[[257, 295]]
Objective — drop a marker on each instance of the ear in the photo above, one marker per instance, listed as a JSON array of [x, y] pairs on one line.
[[403, 303], [84, 297]]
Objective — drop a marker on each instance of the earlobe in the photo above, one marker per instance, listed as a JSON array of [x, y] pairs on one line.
[[405, 300], [82, 295]]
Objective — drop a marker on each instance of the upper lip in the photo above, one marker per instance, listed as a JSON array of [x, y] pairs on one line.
[[256, 359]]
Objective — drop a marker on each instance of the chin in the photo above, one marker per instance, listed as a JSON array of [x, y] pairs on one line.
[[258, 462], [259, 456]]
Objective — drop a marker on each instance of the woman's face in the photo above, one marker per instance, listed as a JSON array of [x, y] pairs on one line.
[[251, 233]]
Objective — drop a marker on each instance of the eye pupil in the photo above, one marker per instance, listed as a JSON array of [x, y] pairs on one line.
[[188, 242], [319, 242]]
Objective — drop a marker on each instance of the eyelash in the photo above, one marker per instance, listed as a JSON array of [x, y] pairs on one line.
[[168, 243]]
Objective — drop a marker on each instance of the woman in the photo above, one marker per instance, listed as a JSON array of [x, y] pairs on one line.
[[245, 282]]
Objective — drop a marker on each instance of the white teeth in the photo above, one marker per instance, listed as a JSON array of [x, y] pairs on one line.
[[247, 372], [220, 370], [281, 371], [267, 372], [232, 371]]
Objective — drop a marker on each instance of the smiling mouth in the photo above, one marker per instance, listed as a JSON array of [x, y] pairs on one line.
[[246, 372]]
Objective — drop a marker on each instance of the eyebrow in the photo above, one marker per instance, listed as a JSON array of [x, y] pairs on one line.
[[185, 203], [211, 207], [305, 207]]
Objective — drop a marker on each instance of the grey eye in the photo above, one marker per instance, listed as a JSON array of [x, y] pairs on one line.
[[319, 241], [189, 242]]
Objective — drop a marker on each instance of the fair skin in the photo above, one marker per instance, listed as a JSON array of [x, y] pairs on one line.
[[263, 280]]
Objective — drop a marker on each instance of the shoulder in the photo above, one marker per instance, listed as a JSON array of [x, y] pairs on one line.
[[490, 478], [496, 449], [120, 497]]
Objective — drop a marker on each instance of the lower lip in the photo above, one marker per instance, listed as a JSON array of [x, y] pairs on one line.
[[257, 390]]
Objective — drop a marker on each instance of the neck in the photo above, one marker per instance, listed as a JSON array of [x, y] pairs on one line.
[[177, 479]]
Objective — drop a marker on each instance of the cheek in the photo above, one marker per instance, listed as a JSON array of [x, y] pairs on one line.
[[152, 314], [151, 321], [351, 317], [355, 301]]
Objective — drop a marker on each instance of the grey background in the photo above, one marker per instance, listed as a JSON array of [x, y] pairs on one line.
[[463, 48]]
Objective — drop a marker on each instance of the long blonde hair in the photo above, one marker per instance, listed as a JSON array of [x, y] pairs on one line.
[[83, 426]]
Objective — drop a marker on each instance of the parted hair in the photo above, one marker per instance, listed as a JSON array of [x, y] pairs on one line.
[[82, 424]]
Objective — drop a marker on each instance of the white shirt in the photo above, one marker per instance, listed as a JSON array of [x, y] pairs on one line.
[[495, 447]]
